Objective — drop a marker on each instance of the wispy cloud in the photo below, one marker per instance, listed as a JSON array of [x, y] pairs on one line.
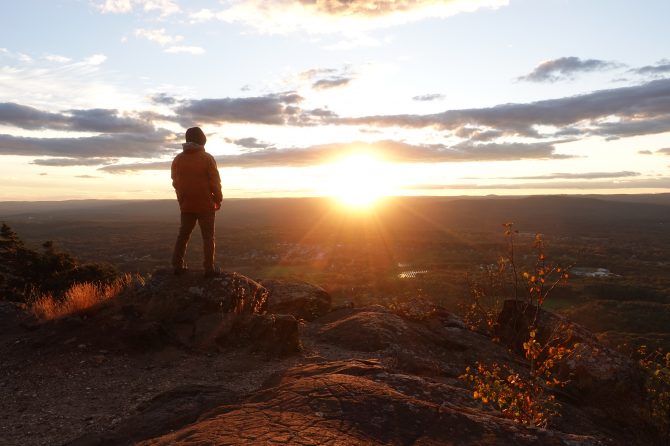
[[51, 83], [57, 58], [335, 16], [642, 183], [335, 82], [250, 143], [60, 162], [428, 97], [163, 7], [569, 176], [167, 41], [661, 68], [184, 49], [327, 78], [565, 68], [158, 35]]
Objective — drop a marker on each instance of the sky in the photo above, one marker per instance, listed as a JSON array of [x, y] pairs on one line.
[[328, 97]]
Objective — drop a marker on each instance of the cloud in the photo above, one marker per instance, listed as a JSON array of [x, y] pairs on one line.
[[391, 151], [163, 99], [183, 49], [662, 67], [87, 176], [640, 109], [136, 167], [428, 97], [565, 68], [326, 78], [164, 7], [642, 183], [158, 36], [105, 146], [645, 152], [250, 143], [274, 109], [96, 59], [334, 82], [91, 120], [336, 16], [57, 58], [573, 176], [665, 151], [61, 162]]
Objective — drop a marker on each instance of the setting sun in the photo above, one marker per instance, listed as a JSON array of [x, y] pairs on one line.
[[358, 181]]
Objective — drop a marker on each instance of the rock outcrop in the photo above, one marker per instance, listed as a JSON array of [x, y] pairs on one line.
[[187, 312], [372, 375], [300, 299], [358, 403]]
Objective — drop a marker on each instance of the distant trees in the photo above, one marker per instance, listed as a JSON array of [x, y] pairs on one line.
[[26, 273]]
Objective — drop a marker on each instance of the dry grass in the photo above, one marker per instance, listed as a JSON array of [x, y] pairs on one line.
[[79, 297]]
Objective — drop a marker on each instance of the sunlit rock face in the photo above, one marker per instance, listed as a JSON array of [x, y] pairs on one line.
[[300, 299]]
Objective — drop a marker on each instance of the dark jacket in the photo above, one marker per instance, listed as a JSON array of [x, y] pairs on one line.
[[196, 180]]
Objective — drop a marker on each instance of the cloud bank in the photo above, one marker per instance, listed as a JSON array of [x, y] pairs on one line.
[[390, 151], [565, 68], [625, 111], [105, 146]]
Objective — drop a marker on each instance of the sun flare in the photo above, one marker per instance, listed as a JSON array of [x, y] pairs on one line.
[[359, 181]]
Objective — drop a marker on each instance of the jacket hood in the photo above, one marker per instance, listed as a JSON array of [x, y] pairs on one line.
[[193, 147]]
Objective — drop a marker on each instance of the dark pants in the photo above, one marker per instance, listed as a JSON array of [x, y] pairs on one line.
[[188, 220]]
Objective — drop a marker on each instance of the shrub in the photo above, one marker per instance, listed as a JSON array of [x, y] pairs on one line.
[[79, 297], [525, 397], [656, 366]]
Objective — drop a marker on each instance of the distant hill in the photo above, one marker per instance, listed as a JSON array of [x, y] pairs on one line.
[[536, 213]]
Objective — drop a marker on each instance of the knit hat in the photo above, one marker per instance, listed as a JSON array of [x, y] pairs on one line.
[[196, 135]]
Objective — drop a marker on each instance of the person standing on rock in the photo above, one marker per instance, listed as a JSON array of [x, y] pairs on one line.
[[195, 178]]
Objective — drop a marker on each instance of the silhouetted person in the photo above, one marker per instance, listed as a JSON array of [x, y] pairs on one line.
[[196, 181]]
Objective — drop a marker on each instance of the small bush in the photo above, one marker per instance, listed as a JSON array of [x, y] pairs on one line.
[[656, 364], [79, 297], [526, 397]]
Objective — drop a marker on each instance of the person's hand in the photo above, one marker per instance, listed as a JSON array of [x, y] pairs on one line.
[[217, 205]]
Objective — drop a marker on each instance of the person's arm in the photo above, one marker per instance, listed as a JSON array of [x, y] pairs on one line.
[[214, 182], [175, 178]]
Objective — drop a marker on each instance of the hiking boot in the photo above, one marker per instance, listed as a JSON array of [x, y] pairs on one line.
[[212, 273], [180, 271]]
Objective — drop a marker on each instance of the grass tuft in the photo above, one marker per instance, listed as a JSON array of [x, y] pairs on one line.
[[79, 297]]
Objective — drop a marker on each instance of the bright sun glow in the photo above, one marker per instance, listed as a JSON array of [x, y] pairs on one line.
[[358, 181]]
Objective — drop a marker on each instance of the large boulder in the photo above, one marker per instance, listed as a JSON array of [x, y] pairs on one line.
[[359, 403], [219, 313], [185, 295], [433, 343], [186, 311], [301, 299]]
